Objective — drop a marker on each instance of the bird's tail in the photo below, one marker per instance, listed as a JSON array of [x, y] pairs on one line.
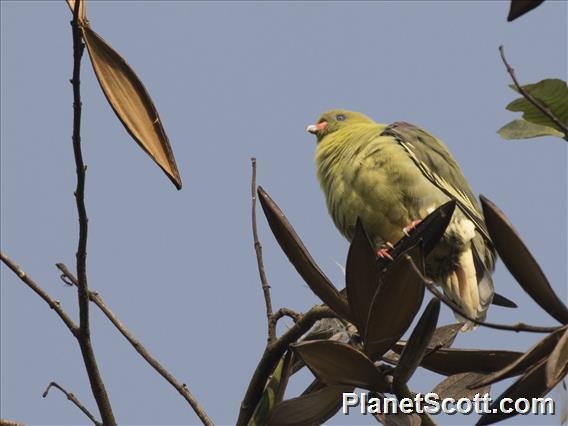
[[470, 286]]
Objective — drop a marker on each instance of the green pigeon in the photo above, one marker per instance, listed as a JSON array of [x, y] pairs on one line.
[[392, 176]]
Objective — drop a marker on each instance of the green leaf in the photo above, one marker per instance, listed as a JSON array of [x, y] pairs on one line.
[[273, 393], [522, 129], [552, 93]]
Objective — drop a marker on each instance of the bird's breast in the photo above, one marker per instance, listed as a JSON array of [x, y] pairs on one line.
[[376, 182]]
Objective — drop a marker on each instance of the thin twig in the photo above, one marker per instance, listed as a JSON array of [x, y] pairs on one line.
[[281, 313], [272, 355], [74, 400], [431, 286], [53, 304], [139, 347], [258, 249], [545, 110], [83, 337]]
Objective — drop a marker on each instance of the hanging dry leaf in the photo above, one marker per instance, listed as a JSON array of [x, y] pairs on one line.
[[131, 102]]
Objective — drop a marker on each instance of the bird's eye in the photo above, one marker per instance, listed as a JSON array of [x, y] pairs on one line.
[[340, 117]]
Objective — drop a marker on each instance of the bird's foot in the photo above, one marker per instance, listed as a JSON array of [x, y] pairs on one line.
[[408, 229], [383, 252]]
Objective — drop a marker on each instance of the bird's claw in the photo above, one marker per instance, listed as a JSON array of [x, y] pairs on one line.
[[383, 252], [410, 227]]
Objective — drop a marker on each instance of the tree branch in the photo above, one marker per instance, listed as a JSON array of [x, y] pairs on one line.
[[546, 111], [259, 261], [281, 313], [139, 347], [272, 355], [53, 304], [431, 286], [83, 337], [74, 400]]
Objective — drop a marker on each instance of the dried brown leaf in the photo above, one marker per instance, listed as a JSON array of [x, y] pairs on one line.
[[82, 9], [428, 233], [520, 7], [360, 276], [530, 385], [458, 386], [520, 262], [311, 409], [500, 300], [300, 257], [131, 102], [444, 336], [531, 357], [449, 361], [557, 364], [336, 363], [417, 344], [395, 304], [398, 419]]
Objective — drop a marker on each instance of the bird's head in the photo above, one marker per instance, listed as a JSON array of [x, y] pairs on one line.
[[334, 120]]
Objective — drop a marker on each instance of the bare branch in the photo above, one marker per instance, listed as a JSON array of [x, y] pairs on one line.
[[139, 347], [272, 355], [259, 261], [74, 400], [281, 313], [83, 337], [546, 111], [431, 286], [53, 304]]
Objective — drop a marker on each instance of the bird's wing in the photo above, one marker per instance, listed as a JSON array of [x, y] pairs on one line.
[[437, 165]]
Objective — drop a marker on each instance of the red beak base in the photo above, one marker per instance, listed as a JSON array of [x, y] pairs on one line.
[[316, 128]]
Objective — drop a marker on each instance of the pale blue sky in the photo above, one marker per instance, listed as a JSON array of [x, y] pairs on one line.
[[233, 80]]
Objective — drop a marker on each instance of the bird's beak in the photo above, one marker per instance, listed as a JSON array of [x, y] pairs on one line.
[[316, 128]]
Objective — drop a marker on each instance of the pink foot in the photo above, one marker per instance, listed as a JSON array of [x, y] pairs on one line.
[[408, 229], [383, 252]]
